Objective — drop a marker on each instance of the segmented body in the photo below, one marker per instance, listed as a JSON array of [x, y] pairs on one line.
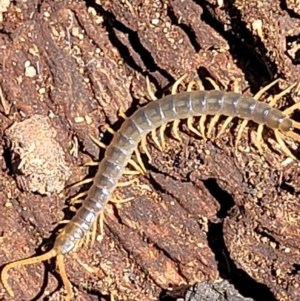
[[133, 131], [144, 120]]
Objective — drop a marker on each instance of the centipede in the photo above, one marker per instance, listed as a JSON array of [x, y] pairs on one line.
[[192, 105]]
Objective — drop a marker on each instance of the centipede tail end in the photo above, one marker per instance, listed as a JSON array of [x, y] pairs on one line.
[[16, 264], [66, 282]]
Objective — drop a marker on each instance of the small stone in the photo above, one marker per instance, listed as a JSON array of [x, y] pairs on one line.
[[30, 71]]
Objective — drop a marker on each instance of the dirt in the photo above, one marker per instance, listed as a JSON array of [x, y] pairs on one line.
[[205, 210]]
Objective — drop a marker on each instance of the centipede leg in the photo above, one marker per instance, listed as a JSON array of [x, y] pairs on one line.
[[140, 161], [202, 126], [212, 125], [240, 132], [16, 264], [131, 161], [177, 83], [109, 129], [224, 126], [175, 131], [213, 83], [197, 83], [286, 112], [101, 220], [190, 126], [149, 89], [155, 139], [293, 135], [259, 138], [144, 148], [122, 114], [64, 277], [283, 146], [162, 135]]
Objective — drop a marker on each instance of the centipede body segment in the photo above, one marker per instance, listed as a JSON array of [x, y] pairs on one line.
[[156, 114]]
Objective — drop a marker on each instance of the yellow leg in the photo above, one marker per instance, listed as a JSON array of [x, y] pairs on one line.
[[140, 161], [175, 129], [149, 89], [224, 126], [155, 139], [16, 264], [190, 126], [162, 135], [122, 201], [109, 129], [259, 94], [240, 132], [260, 142], [131, 161], [64, 277], [101, 220], [283, 145], [212, 125], [282, 93], [202, 126], [197, 83], [78, 198], [259, 138], [213, 83], [292, 108], [293, 135], [145, 149], [122, 114], [177, 83]]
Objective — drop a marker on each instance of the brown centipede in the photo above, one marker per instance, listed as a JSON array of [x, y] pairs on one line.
[[157, 114]]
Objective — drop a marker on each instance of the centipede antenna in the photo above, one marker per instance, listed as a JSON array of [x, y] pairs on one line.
[[292, 108], [16, 264], [282, 93], [293, 135], [66, 282], [259, 94], [296, 125], [283, 146]]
